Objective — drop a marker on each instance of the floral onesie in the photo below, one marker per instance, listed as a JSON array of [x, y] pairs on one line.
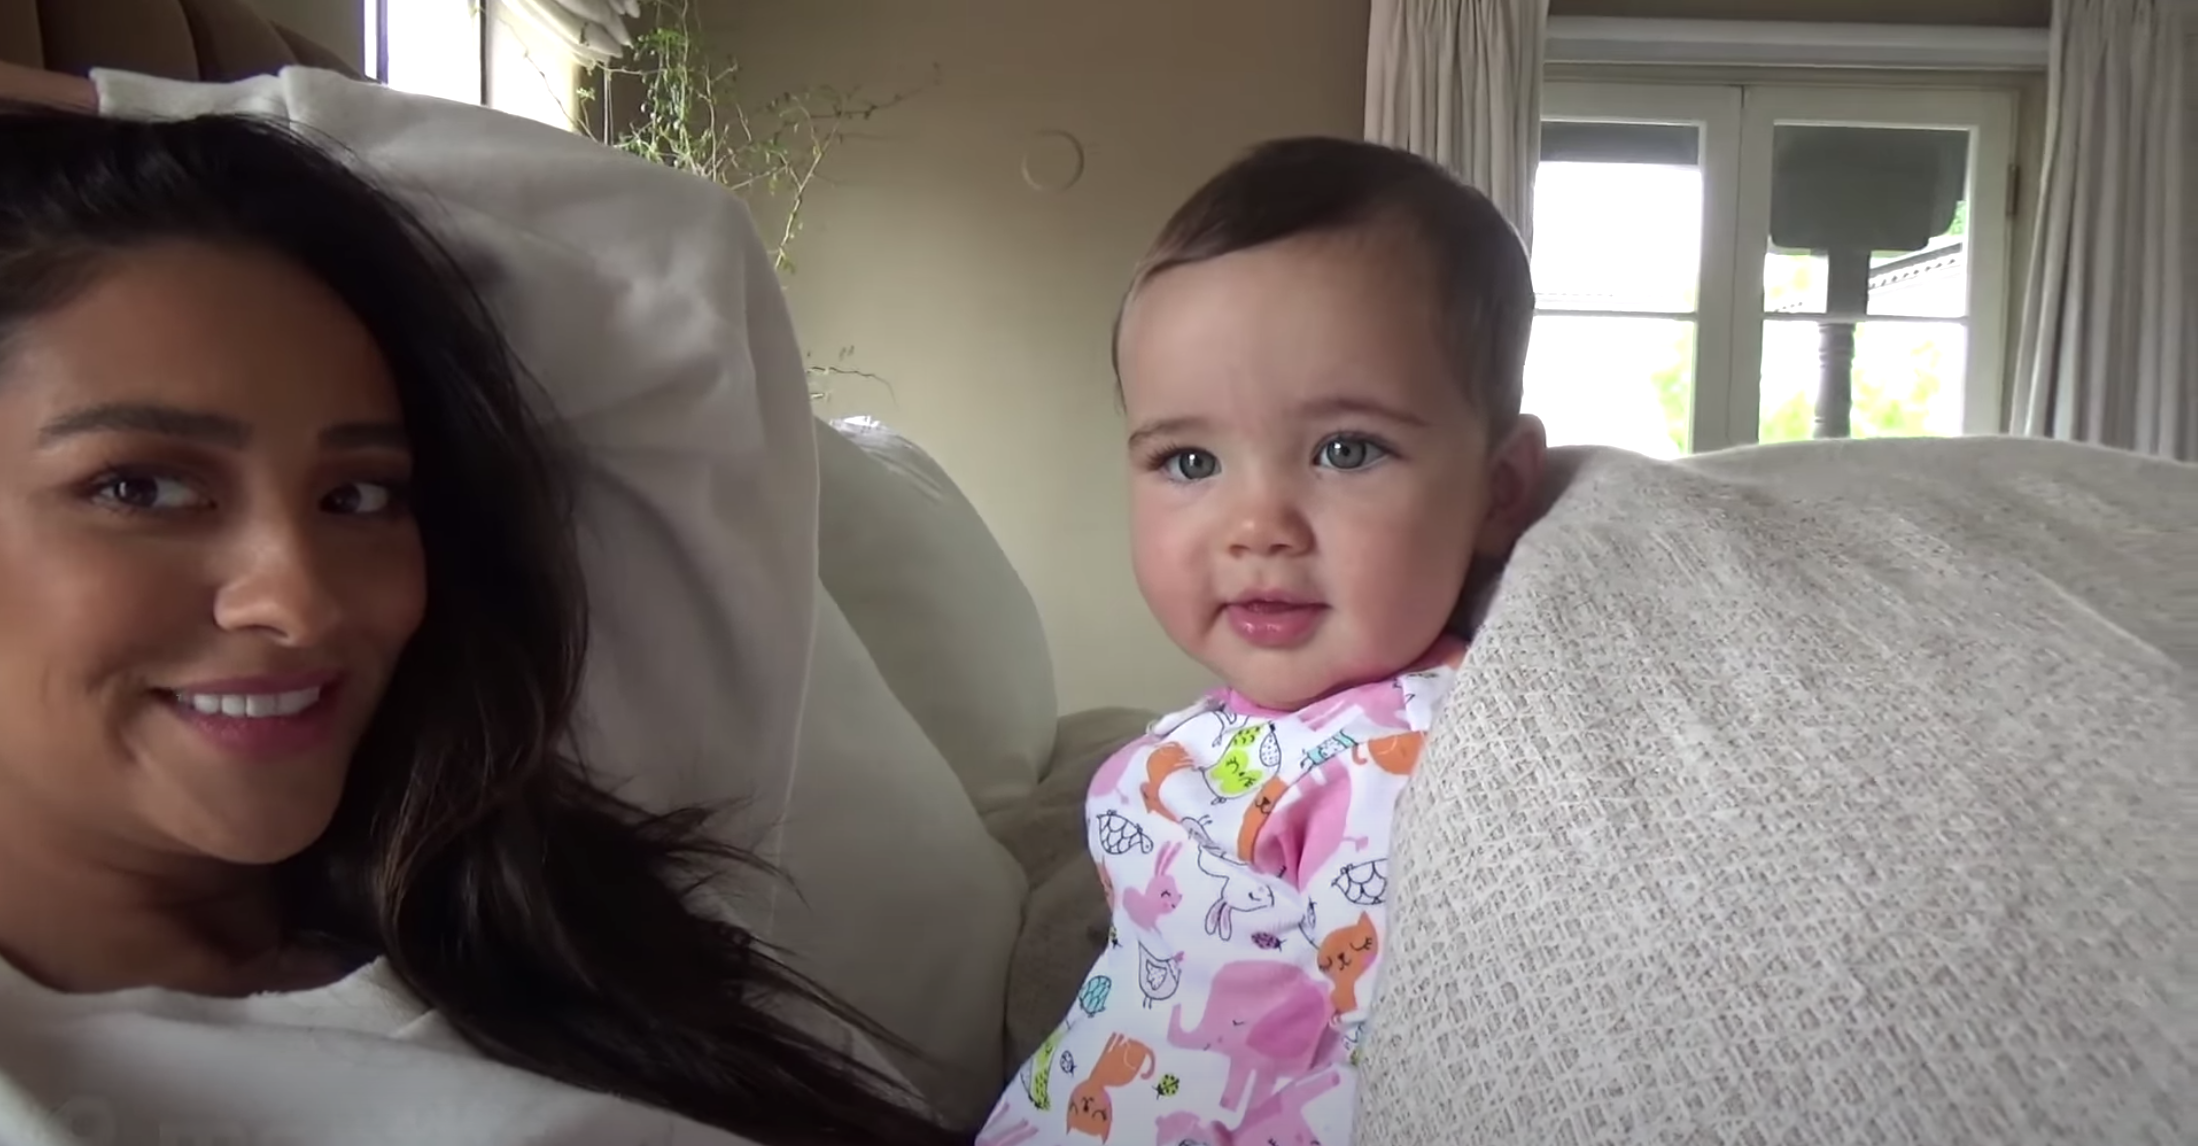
[[1244, 856]]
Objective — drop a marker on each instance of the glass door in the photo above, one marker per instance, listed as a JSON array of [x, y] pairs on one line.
[[1633, 265], [1718, 265], [1873, 227]]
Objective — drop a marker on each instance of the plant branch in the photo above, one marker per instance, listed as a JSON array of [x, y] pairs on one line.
[[694, 115]]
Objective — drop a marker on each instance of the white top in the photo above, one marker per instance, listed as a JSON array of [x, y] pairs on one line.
[[357, 1063]]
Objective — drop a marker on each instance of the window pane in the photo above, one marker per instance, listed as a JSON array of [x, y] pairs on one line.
[[435, 48], [1618, 217], [1868, 221], [1625, 382], [1906, 378], [529, 76]]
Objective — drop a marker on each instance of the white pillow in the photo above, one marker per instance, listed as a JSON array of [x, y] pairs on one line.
[[946, 618]]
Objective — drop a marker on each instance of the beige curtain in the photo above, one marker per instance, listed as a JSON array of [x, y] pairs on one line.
[[2109, 345], [1460, 82], [595, 32]]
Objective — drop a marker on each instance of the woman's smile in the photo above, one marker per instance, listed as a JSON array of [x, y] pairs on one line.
[[262, 719]]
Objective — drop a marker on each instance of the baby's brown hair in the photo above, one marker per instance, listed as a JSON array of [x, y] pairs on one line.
[[1292, 187]]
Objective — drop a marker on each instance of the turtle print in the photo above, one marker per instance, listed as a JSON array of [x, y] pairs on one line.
[[1366, 883], [1119, 836]]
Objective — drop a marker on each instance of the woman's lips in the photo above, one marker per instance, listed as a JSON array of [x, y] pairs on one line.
[[262, 719]]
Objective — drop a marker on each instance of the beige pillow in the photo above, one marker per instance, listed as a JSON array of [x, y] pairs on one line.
[[903, 902], [945, 617]]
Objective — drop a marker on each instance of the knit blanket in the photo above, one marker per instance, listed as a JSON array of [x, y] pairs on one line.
[[1828, 793]]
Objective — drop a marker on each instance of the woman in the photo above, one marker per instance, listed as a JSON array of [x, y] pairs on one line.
[[295, 632]]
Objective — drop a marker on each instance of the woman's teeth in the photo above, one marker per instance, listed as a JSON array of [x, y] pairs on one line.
[[249, 705]]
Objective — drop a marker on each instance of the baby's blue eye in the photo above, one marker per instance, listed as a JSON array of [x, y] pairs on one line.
[[1191, 465], [1350, 453]]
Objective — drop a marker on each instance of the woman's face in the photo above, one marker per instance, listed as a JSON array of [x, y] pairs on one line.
[[207, 568]]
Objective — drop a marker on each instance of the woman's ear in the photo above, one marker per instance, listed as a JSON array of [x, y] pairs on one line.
[[1514, 488]]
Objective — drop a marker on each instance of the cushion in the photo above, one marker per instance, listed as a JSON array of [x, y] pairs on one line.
[[1065, 916], [943, 614], [902, 902], [1828, 793], [186, 39]]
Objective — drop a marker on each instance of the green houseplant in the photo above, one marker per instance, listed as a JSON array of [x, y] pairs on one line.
[[682, 104]]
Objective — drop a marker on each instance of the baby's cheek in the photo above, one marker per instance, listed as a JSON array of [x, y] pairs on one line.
[[1169, 595], [1171, 580], [1405, 589], [1389, 573]]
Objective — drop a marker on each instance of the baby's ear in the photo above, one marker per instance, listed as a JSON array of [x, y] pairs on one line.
[[1514, 489]]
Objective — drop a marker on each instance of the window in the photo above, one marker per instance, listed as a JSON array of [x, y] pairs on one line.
[[432, 47], [1723, 265], [477, 51]]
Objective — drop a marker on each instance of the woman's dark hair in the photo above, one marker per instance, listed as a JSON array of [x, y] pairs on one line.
[[550, 923]]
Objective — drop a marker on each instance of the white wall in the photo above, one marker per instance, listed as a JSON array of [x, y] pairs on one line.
[[986, 304]]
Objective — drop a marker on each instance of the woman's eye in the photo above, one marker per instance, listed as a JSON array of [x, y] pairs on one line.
[[147, 492], [1350, 453], [362, 499], [1191, 465]]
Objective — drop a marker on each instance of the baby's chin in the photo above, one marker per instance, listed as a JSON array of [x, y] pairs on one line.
[[1335, 657], [1287, 688]]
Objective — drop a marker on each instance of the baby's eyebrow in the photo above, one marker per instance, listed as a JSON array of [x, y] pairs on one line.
[[1367, 407], [1166, 428]]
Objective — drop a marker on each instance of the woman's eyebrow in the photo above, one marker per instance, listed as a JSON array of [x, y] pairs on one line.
[[146, 418], [198, 426], [365, 435]]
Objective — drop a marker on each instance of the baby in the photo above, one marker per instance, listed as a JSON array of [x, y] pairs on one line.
[[1321, 362]]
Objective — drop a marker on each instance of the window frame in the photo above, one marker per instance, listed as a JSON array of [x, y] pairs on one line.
[[1715, 110], [1737, 120], [376, 22], [1989, 117]]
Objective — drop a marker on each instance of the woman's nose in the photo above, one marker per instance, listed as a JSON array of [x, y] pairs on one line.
[[282, 586]]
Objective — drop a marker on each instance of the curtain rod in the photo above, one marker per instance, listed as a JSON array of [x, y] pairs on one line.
[[1631, 40]]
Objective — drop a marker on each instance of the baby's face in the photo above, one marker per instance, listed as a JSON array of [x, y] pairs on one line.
[[1310, 481]]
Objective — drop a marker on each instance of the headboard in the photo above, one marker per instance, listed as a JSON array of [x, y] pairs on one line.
[[178, 39]]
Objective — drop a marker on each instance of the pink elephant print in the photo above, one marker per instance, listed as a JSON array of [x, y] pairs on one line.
[[1279, 1119], [1182, 1128], [1276, 1120], [1270, 1020]]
